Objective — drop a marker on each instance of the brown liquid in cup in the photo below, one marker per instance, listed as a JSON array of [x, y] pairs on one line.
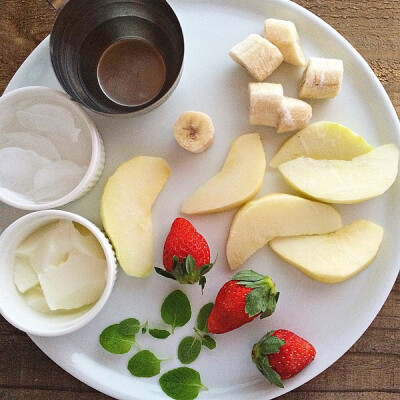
[[131, 72]]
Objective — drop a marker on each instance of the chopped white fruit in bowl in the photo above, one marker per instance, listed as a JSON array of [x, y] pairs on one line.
[[57, 271]]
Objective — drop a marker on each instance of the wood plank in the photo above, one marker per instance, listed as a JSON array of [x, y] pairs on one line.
[[368, 372], [374, 395], [38, 394]]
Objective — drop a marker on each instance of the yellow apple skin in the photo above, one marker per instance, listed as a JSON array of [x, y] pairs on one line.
[[274, 215], [125, 209], [322, 140], [344, 182], [333, 257], [239, 180]]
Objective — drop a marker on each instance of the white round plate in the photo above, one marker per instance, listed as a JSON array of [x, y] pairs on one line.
[[332, 317]]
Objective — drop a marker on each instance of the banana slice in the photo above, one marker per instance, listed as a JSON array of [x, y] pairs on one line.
[[269, 107], [294, 115], [322, 78], [259, 57], [194, 131], [265, 101], [283, 34]]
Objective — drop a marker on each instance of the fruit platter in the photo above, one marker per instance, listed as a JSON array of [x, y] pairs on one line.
[[251, 213]]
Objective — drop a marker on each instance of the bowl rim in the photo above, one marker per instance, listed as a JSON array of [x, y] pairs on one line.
[[126, 111], [96, 148], [82, 319]]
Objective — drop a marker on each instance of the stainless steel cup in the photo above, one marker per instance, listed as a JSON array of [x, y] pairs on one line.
[[85, 29]]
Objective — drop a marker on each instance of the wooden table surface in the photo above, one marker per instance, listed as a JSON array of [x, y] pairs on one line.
[[370, 370]]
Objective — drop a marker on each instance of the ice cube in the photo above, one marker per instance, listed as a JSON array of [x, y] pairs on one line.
[[36, 300], [56, 180], [78, 281], [41, 145], [49, 118], [25, 277], [53, 247], [18, 168]]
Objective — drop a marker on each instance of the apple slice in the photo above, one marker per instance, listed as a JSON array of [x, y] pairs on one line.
[[333, 257], [273, 215], [239, 180], [322, 140], [344, 182], [125, 209]]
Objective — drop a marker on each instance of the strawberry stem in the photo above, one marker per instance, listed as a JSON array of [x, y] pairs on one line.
[[268, 344], [263, 298]]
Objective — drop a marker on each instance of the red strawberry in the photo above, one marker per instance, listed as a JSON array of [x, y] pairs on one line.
[[282, 354], [186, 255], [240, 300]]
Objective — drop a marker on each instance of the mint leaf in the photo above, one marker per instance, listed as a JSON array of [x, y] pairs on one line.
[[112, 340], [176, 310], [144, 364], [129, 326], [145, 327], [189, 349], [159, 333], [181, 383], [209, 342], [202, 318]]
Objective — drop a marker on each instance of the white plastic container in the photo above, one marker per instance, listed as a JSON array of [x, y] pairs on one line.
[[12, 102], [13, 305]]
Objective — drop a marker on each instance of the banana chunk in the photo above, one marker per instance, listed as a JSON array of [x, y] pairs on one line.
[[269, 107], [265, 101], [322, 78], [259, 57], [283, 34], [194, 131], [294, 115]]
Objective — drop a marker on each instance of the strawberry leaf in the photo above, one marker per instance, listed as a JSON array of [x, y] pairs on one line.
[[186, 271], [256, 301], [271, 305], [247, 276], [263, 298], [269, 373], [165, 273], [268, 344], [190, 264]]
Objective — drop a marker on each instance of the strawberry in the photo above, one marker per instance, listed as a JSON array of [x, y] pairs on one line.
[[246, 296], [282, 354], [186, 255]]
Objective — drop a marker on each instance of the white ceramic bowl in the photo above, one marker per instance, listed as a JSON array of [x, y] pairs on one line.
[[9, 104], [13, 305]]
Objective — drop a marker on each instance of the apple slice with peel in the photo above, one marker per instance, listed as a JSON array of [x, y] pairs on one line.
[[274, 215], [125, 209], [322, 140], [239, 180], [344, 182], [333, 257]]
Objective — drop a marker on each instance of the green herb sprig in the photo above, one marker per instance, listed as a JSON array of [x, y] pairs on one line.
[[190, 347]]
